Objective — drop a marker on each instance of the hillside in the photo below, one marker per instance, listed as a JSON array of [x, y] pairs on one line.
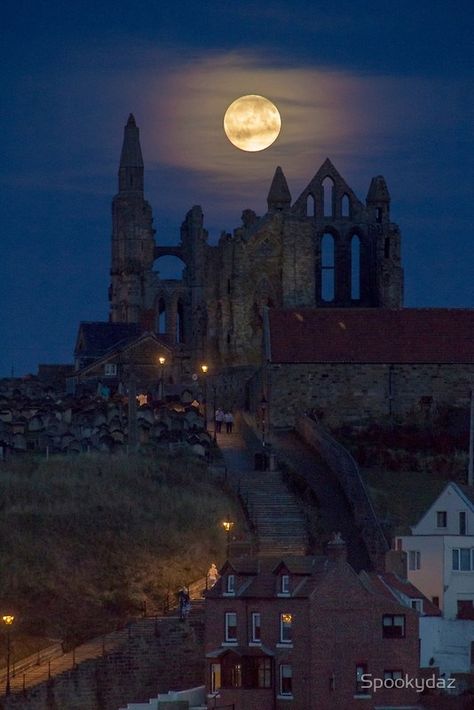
[[407, 466], [87, 540]]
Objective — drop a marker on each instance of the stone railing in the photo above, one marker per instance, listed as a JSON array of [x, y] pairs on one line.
[[347, 472]]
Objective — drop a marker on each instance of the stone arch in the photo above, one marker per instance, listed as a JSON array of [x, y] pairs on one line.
[[328, 188], [171, 265]]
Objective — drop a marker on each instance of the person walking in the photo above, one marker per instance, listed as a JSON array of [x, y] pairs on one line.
[[229, 421], [184, 604], [219, 419]]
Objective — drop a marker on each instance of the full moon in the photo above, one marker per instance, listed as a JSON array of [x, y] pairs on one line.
[[252, 123]]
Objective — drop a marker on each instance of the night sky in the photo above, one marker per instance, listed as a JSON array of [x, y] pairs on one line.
[[378, 87]]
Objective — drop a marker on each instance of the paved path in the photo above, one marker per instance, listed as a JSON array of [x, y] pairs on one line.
[[275, 512], [335, 513]]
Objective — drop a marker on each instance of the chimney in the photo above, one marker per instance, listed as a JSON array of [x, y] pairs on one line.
[[337, 548]]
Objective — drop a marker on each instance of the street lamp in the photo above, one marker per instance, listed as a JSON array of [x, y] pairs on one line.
[[8, 620], [228, 525], [162, 361], [204, 369]]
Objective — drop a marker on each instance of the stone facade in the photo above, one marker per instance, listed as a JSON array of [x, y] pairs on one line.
[[353, 393], [328, 249]]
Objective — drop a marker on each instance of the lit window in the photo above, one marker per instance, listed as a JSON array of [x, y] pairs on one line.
[[256, 635], [463, 559], [361, 669], [215, 677], [231, 626], [414, 560], [441, 519], [393, 626], [286, 621], [231, 584], [285, 583], [286, 678], [110, 369]]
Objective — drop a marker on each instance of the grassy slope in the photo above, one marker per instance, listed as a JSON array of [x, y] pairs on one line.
[[86, 540]]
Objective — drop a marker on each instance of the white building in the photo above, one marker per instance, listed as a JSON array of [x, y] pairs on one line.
[[440, 552]]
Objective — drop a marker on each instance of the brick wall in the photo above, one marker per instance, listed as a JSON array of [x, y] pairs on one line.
[[154, 659]]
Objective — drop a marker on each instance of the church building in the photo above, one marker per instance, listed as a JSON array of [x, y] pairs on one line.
[[313, 283]]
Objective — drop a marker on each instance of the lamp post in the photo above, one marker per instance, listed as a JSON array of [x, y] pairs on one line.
[[162, 361], [204, 369], [8, 620], [228, 525], [263, 407], [214, 436]]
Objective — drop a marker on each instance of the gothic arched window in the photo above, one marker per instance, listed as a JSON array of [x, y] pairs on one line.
[[345, 206], [328, 188], [355, 268], [310, 206], [327, 267], [161, 319]]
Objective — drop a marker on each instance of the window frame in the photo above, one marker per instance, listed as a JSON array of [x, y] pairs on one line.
[[281, 691], [230, 584], [391, 672], [110, 369], [457, 565], [227, 627], [254, 626], [414, 560], [363, 667], [393, 625], [286, 626], [441, 515], [285, 584]]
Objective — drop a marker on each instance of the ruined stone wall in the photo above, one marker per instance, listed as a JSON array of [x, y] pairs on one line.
[[355, 393]]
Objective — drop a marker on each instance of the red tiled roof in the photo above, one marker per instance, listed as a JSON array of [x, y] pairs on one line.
[[382, 583], [371, 335]]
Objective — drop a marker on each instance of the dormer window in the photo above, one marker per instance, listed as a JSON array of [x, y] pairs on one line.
[[230, 585], [285, 584], [417, 605]]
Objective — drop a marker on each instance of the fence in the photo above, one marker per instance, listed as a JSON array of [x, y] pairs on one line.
[[347, 472]]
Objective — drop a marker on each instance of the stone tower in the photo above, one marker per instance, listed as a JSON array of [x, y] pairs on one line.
[[132, 234]]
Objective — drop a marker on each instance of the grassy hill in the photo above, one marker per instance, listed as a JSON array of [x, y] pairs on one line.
[[87, 540]]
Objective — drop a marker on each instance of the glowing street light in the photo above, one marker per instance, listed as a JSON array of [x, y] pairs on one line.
[[8, 620], [162, 361], [204, 369], [228, 525]]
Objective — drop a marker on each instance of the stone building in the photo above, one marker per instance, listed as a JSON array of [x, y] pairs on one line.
[[326, 259], [327, 249]]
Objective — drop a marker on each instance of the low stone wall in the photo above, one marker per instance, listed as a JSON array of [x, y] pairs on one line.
[[347, 472], [157, 657]]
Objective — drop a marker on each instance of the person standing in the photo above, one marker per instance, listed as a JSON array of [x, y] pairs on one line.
[[219, 419], [229, 421]]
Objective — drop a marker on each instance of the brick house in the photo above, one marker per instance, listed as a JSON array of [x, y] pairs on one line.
[[299, 633]]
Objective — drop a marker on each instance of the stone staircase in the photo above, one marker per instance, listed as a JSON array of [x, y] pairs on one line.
[[275, 513]]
